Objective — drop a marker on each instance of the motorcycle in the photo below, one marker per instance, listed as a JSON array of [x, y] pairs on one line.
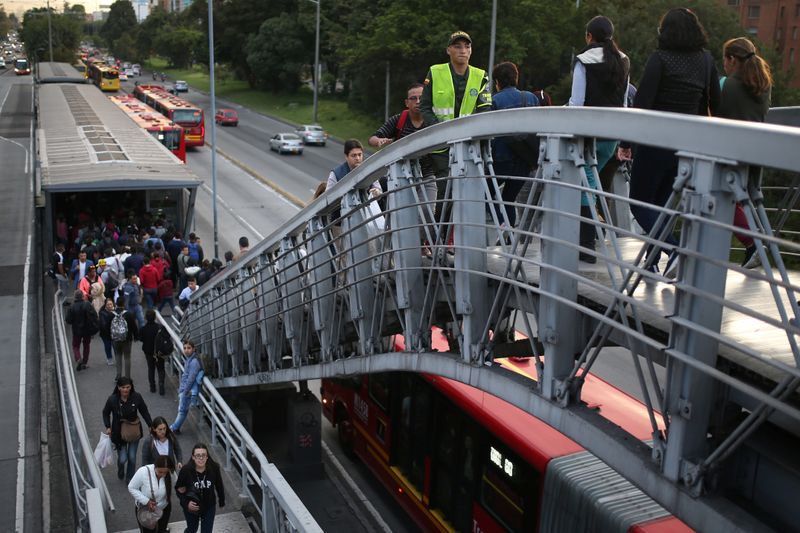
[[163, 77], [154, 76]]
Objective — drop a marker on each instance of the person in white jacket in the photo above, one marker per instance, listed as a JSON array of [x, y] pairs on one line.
[[151, 487]]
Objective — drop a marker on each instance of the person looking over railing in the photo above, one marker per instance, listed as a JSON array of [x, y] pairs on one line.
[[679, 77], [745, 96]]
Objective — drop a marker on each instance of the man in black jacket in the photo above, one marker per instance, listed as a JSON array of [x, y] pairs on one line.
[[83, 319]]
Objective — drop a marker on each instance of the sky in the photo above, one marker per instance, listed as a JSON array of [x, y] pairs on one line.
[[20, 6]]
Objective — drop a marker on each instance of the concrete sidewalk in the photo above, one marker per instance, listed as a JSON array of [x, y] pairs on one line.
[[96, 383]]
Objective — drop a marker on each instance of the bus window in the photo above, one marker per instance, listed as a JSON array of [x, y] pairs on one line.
[[186, 116], [110, 74], [411, 427], [509, 488], [379, 390], [454, 467], [171, 139]]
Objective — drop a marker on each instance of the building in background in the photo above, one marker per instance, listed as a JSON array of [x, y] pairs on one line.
[[142, 9], [775, 22]]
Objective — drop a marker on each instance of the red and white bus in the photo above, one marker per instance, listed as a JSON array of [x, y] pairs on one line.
[[458, 459], [166, 132], [179, 111]]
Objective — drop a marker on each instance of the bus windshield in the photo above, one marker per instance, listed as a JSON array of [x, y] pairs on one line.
[[110, 74], [170, 138], [187, 116], [22, 64]]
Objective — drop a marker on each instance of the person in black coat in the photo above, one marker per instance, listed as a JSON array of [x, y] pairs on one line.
[[83, 319], [122, 349], [125, 404], [199, 488], [148, 337], [106, 315]]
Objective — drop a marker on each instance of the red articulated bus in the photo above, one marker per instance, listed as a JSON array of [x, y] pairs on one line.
[[179, 111], [458, 459], [169, 134]]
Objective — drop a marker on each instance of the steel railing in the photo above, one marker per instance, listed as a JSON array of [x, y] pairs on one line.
[[90, 493], [278, 507]]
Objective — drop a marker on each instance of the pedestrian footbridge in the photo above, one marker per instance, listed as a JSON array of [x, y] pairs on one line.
[[329, 293]]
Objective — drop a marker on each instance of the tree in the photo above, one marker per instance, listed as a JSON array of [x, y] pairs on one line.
[[5, 23], [176, 44], [149, 30], [277, 55], [66, 35], [121, 18]]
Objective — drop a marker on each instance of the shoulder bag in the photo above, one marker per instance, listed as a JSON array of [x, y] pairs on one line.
[[129, 430], [147, 518]]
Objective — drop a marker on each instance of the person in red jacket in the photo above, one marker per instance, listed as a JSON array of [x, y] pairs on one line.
[[166, 293], [157, 260], [149, 277]]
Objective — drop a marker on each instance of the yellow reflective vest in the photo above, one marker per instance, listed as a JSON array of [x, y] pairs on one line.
[[444, 95]]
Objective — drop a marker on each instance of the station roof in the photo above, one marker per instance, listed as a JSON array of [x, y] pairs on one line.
[[86, 143]]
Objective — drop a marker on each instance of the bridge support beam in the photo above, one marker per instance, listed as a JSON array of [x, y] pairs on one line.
[[690, 394], [271, 335], [405, 219], [557, 321], [322, 281], [291, 290], [469, 237]]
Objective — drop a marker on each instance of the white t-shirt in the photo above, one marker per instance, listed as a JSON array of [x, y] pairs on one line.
[[161, 447]]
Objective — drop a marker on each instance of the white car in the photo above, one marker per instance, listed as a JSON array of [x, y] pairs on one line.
[[137, 69], [286, 143], [129, 73], [123, 76]]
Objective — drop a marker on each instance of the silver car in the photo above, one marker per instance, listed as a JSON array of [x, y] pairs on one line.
[[312, 134], [286, 143]]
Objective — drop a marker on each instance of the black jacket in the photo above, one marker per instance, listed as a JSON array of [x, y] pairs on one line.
[[106, 317], [78, 316], [148, 337], [207, 486], [115, 410]]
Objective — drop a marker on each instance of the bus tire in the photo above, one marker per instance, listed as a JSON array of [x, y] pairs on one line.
[[345, 432]]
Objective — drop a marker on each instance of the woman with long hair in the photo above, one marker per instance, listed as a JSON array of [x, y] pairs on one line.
[[679, 77], [746, 95], [599, 79], [161, 441], [200, 489], [123, 407], [106, 315], [151, 486]]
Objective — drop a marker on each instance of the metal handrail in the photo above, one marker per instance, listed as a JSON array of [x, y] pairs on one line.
[[280, 509], [74, 425]]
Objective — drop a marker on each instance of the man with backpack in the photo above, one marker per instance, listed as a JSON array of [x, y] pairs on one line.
[[195, 250], [85, 323], [512, 156], [124, 330]]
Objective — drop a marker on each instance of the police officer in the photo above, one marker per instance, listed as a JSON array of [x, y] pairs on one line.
[[451, 90]]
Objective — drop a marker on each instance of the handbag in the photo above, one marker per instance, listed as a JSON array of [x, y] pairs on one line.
[[147, 518], [130, 431]]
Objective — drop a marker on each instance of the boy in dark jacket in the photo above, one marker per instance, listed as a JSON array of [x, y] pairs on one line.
[[83, 319], [148, 337], [122, 349]]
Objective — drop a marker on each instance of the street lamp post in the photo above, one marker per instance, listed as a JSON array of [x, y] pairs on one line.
[[50, 30], [492, 38], [213, 123], [316, 64]]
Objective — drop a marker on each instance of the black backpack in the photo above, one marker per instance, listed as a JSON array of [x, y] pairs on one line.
[[164, 344]]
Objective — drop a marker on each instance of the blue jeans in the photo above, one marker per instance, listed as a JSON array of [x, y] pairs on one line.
[[108, 344], [604, 150], [150, 297], [193, 520], [137, 310], [183, 410], [126, 454]]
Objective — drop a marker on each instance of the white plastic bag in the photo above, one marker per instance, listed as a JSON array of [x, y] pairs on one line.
[[104, 452]]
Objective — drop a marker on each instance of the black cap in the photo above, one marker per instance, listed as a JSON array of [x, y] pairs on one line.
[[458, 36]]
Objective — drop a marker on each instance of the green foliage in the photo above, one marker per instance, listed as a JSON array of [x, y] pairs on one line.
[[158, 21], [177, 45], [125, 46], [121, 19], [276, 54], [66, 35], [5, 23]]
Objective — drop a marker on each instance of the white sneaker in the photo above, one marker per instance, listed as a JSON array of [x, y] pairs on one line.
[[110, 362], [754, 259]]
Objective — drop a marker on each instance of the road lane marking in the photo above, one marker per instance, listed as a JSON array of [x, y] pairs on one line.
[[23, 348], [238, 218]]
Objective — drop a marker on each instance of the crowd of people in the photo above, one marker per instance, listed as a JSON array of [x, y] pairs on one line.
[[680, 76]]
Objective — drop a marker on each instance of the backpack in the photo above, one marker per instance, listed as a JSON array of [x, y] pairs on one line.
[[119, 327], [207, 364], [401, 123], [92, 324], [194, 251], [164, 345], [111, 285], [525, 147]]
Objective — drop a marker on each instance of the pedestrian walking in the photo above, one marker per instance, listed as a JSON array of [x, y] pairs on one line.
[[132, 293], [191, 367], [200, 489], [85, 323], [600, 78], [121, 419], [79, 268], [105, 316], [679, 77], [59, 270], [124, 330], [161, 441], [151, 488], [506, 162], [148, 337], [745, 95], [166, 292], [149, 277]]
